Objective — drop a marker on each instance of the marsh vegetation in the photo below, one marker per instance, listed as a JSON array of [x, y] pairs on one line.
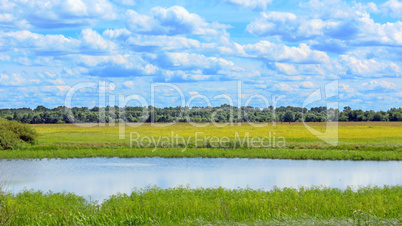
[[182, 205]]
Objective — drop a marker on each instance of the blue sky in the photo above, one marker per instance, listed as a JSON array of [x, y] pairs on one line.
[[272, 47]]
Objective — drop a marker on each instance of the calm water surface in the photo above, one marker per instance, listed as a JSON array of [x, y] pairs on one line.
[[99, 178]]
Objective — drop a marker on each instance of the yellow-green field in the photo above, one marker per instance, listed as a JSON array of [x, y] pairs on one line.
[[384, 133], [357, 141]]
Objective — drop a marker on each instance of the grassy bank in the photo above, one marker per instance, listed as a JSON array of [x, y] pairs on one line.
[[370, 205], [357, 141], [317, 154]]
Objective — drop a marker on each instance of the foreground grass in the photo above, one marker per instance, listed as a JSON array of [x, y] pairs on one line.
[[357, 141], [182, 205]]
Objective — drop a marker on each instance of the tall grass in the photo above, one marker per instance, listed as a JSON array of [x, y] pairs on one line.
[[5, 212], [201, 206]]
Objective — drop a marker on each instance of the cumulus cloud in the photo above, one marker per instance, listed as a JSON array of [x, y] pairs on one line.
[[43, 49], [253, 4], [392, 8], [117, 66], [192, 61], [292, 28], [175, 20], [283, 53], [92, 42], [346, 88], [16, 79], [283, 87], [57, 13], [379, 85], [193, 93], [307, 85], [273, 23], [157, 43], [117, 34], [355, 27], [128, 84], [372, 33], [41, 44], [369, 67]]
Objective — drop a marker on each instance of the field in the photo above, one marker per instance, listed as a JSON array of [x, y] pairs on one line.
[[217, 206], [202, 206], [357, 141]]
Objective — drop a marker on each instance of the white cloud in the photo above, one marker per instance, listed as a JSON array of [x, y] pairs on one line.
[[92, 61], [92, 41], [307, 84], [41, 44], [28, 43], [127, 2], [253, 4], [151, 43], [332, 20], [189, 61], [379, 34], [6, 5], [128, 84], [368, 67], [393, 8], [262, 86], [6, 17], [273, 23], [57, 81], [13, 80], [75, 7], [282, 53], [4, 57], [116, 65], [58, 14], [284, 87], [379, 84], [116, 33], [285, 68], [194, 93], [346, 88], [175, 20]]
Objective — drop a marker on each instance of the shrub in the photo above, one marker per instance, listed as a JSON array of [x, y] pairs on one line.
[[13, 134]]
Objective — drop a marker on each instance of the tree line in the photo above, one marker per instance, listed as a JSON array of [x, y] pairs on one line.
[[223, 113]]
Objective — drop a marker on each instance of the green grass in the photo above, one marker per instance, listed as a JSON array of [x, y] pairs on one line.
[[318, 154], [201, 206], [357, 141]]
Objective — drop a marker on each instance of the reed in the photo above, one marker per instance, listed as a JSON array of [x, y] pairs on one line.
[[182, 205]]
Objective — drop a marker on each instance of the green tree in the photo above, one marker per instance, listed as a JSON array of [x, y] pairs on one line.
[[289, 116]]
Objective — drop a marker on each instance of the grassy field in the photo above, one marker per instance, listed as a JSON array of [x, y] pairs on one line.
[[357, 141], [202, 206]]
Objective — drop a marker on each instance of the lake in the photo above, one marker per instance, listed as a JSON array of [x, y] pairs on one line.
[[98, 178]]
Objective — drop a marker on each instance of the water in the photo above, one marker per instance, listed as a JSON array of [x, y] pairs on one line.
[[98, 178]]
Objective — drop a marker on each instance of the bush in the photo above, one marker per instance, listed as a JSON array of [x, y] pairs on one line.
[[14, 134]]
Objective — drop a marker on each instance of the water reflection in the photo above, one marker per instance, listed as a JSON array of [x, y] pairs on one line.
[[102, 177]]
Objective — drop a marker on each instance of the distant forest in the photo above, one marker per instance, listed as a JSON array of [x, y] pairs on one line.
[[43, 115]]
